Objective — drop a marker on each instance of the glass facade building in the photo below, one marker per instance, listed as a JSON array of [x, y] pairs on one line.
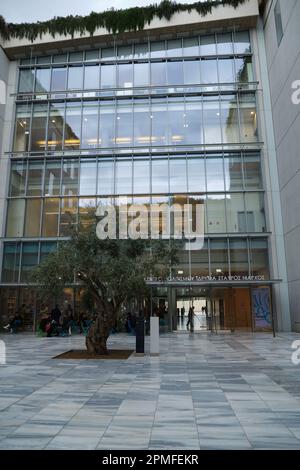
[[160, 121]]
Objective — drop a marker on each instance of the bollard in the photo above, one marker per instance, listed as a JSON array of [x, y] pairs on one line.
[[154, 336], [140, 336]]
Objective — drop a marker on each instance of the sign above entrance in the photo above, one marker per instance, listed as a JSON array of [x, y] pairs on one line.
[[209, 279]]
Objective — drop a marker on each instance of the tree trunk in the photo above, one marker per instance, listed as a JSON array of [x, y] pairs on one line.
[[96, 340]]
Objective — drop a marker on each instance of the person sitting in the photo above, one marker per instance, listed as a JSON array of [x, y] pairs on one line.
[[15, 323]]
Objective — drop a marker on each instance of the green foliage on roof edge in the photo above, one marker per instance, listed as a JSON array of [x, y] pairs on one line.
[[115, 21]]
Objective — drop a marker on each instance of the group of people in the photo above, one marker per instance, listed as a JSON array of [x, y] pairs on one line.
[[15, 323], [59, 323]]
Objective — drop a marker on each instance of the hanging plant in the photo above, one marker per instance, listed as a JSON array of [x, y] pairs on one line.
[[115, 21]]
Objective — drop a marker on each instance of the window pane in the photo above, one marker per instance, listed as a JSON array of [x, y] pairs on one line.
[[50, 217], [175, 73], [176, 121], [219, 258], [239, 263], [159, 120], [224, 43], [191, 46], [124, 52], [55, 126], [33, 217], [88, 175], [178, 177], [22, 129], [108, 76], [226, 70], [107, 124], [30, 254], [141, 74], [208, 45], [244, 70], [252, 171], [214, 174], [191, 72], [158, 49], [35, 177], [68, 215], [216, 219], [196, 175], [46, 249], [11, 262], [211, 119], [141, 173], [235, 211], [255, 209], [15, 218], [70, 178], [87, 211], [105, 177], [230, 119], [39, 127], [52, 178], [60, 58], [125, 75], [59, 79], [42, 81], [242, 42], [92, 55], [91, 77], [26, 81], [141, 51], [18, 179], [248, 118], [233, 173], [158, 73], [108, 53], [209, 71], [75, 56], [160, 176], [259, 258], [142, 123], [124, 123], [124, 177], [193, 121], [174, 48], [90, 125], [75, 78], [73, 126]]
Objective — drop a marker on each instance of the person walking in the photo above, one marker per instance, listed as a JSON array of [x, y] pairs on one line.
[[190, 323]]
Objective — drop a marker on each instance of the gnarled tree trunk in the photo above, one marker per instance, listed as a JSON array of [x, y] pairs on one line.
[[96, 340]]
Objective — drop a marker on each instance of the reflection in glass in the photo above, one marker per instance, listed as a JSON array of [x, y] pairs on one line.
[[141, 51], [209, 71], [160, 176], [88, 175], [226, 70], [124, 52], [193, 121], [141, 74], [174, 48], [252, 171], [191, 46], [219, 258], [244, 70], [142, 122], [230, 119], [255, 211], [73, 126], [22, 128], [90, 125], [239, 263], [15, 218], [46, 249], [233, 172], [87, 211], [59, 79], [52, 178], [33, 217], [124, 123], [26, 80], [178, 176], [11, 262], [214, 174], [177, 121], [55, 126], [224, 43], [158, 73], [18, 179], [259, 258], [248, 118], [70, 178], [124, 177], [50, 217], [107, 124], [159, 121], [216, 220], [158, 49], [235, 207], [211, 119], [68, 215], [141, 176], [191, 70], [196, 175], [208, 45], [91, 77], [125, 75], [30, 255], [108, 76], [75, 78], [242, 42], [42, 80], [175, 72], [106, 177], [35, 177], [39, 127]]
